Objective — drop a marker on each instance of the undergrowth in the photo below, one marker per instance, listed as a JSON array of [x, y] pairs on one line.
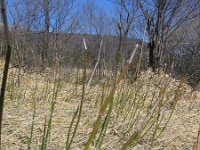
[[140, 114]]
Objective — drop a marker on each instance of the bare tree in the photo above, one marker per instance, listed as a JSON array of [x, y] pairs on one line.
[[163, 17], [38, 29], [184, 52]]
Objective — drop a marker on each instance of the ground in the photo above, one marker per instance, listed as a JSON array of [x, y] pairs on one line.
[[26, 88]]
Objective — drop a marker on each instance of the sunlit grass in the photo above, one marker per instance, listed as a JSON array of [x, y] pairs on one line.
[[141, 115]]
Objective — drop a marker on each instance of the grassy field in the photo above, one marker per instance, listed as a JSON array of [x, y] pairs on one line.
[[154, 112]]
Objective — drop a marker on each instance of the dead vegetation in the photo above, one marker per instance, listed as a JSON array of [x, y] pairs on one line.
[[131, 105]]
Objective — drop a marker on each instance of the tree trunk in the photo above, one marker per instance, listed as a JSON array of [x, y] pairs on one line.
[[44, 54], [151, 55]]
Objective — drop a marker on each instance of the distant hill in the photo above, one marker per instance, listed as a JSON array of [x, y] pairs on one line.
[[28, 48]]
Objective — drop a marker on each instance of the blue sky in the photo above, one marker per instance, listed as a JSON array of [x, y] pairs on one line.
[[106, 4]]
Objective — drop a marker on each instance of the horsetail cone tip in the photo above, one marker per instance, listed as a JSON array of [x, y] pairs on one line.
[[120, 25]]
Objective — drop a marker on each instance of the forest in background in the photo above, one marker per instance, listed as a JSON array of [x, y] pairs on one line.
[[46, 30]]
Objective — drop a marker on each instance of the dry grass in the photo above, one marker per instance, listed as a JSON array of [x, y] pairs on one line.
[[180, 133]]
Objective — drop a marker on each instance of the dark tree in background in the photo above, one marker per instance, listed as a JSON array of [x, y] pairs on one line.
[[163, 18]]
